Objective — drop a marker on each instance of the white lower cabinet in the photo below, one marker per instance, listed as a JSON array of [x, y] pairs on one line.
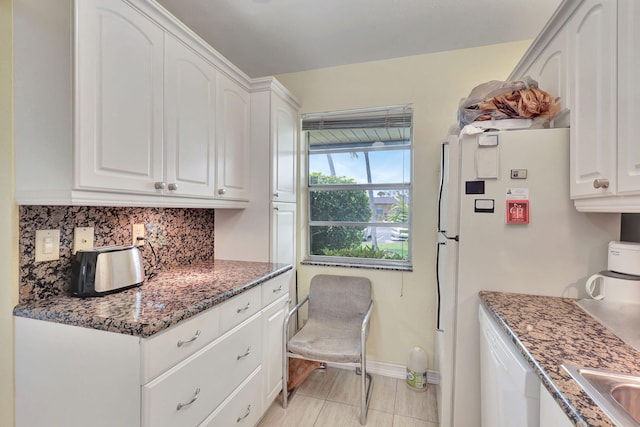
[[272, 321], [185, 394], [221, 367], [550, 413], [242, 408]]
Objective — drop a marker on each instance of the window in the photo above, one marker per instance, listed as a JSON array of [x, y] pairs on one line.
[[359, 186]]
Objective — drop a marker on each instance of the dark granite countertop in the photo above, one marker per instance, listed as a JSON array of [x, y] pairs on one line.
[[163, 301], [550, 331]]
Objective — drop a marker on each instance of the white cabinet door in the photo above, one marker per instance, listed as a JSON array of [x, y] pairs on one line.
[[628, 96], [592, 74], [233, 140], [272, 322], [190, 121], [550, 68], [119, 89], [284, 142], [283, 233]]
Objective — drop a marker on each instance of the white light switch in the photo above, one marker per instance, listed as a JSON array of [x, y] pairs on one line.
[[47, 245]]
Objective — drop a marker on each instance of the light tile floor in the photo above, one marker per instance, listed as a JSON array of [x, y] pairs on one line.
[[331, 399]]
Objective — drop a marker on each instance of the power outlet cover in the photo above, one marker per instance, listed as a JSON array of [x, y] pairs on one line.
[[137, 230], [82, 238]]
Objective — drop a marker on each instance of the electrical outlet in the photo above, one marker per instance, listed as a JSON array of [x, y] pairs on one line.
[[82, 238], [137, 230]]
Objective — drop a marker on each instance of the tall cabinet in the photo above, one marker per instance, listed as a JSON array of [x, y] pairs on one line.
[[266, 229]]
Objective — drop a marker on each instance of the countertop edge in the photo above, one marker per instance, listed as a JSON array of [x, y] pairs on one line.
[[142, 330]]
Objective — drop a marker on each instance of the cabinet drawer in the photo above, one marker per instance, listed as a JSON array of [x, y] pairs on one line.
[[275, 288], [239, 308], [242, 408], [164, 350], [200, 383]]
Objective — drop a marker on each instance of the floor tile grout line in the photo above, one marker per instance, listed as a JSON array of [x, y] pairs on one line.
[[324, 403]]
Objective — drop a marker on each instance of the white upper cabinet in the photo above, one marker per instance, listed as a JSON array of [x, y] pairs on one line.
[[119, 81], [190, 121], [550, 69], [602, 60], [592, 73], [132, 109], [233, 140], [628, 97], [284, 142]]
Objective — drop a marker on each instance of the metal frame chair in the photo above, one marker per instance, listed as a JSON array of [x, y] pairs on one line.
[[339, 313]]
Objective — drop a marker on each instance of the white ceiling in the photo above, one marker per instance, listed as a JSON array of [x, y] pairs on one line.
[[267, 37]]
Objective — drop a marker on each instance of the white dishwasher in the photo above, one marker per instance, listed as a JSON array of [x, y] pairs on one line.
[[509, 387]]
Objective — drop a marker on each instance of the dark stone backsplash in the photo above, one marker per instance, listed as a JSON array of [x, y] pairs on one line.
[[179, 237]]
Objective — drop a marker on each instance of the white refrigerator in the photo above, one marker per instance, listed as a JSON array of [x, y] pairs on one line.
[[506, 223]]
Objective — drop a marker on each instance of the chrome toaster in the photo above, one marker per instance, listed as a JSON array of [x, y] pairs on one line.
[[104, 270]]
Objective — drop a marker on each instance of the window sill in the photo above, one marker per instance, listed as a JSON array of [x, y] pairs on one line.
[[359, 265]]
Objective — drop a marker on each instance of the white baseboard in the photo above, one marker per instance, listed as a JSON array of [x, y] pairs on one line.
[[389, 370]]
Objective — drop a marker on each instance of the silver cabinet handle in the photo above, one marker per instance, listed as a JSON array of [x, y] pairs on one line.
[[276, 195], [159, 185], [193, 338], [278, 289], [195, 397], [246, 353], [222, 191], [246, 414], [245, 308], [173, 187], [601, 183]]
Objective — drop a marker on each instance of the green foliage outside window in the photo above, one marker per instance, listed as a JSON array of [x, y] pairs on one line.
[[352, 205]]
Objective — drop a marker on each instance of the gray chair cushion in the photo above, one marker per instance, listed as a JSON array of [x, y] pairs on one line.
[[337, 306]]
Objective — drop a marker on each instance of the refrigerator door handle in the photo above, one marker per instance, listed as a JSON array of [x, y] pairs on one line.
[[444, 234], [439, 302]]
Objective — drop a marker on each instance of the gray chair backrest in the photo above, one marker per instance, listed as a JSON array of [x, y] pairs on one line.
[[338, 297]]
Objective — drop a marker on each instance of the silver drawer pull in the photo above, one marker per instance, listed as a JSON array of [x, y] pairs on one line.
[[242, 356], [278, 289], [193, 338], [195, 397], [246, 414], [245, 308]]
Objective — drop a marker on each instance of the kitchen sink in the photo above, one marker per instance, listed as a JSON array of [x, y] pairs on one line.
[[618, 395]]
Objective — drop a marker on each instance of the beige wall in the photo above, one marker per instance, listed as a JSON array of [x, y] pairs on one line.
[[8, 216], [404, 302]]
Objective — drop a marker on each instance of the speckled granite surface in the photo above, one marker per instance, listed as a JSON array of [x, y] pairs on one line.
[[179, 236], [550, 331], [165, 300]]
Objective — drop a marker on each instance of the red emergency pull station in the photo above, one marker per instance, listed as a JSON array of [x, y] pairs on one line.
[[517, 211]]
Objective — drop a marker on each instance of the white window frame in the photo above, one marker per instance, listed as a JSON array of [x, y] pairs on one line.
[[408, 187]]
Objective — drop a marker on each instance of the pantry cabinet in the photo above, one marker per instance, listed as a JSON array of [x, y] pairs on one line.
[[284, 142], [222, 364], [265, 230], [144, 113]]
